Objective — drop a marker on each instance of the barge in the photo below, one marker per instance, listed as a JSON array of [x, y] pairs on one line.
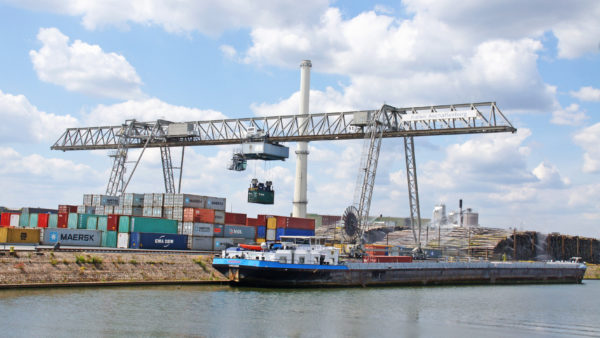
[[304, 262]]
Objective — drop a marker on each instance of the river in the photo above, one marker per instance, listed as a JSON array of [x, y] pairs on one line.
[[221, 311]]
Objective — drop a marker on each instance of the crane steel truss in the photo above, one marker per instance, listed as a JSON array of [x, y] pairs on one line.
[[430, 120]]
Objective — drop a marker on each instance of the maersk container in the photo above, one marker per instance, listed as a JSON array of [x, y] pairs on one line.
[[123, 240], [200, 243], [72, 220], [109, 239], [74, 237], [33, 220], [215, 203], [53, 221], [157, 241], [92, 223], [188, 201], [240, 231], [261, 231], [124, 222], [153, 225], [293, 232]]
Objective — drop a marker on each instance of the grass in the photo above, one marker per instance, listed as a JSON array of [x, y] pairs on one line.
[[81, 259], [53, 261], [592, 272], [133, 261], [200, 262]]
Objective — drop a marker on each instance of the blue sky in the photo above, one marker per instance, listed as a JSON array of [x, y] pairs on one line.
[[71, 63]]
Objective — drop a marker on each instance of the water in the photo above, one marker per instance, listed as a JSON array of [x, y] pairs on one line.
[[221, 311]]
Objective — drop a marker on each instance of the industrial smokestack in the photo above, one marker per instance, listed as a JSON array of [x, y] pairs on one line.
[[460, 216], [300, 198]]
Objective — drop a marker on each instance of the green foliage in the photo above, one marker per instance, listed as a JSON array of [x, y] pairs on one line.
[[200, 262], [133, 261], [80, 259]]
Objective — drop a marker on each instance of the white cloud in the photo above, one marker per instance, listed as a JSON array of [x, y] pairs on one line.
[[82, 67], [571, 116], [549, 176], [208, 17], [589, 140], [587, 94], [146, 110], [228, 51], [23, 122], [320, 102]]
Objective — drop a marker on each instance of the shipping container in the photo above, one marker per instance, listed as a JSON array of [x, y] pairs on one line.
[[219, 217], [153, 225], [38, 211], [168, 200], [103, 223], [158, 200], [158, 241], [42, 221], [168, 212], [109, 239], [272, 223], [177, 213], [133, 200], [295, 223], [99, 210], [24, 220], [260, 240], [109, 209], [387, 259], [124, 222], [239, 231], [123, 240], [271, 234], [218, 230], [157, 212], [147, 200], [118, 210], [292, 232], [88, 199], [224, 243], [52, 220], [33, 220], [254, 222], [92, 223], [147, 212], [200, 243], [72, 237], [14, 220], [81, 209], [17, 235], [188, 201], [63, 208], [216, 203], [98, 200], [72, 221], [261, 231], [5, 218], [235, 219], [82, 220], [203, 229], [63, 220], [112, 222]]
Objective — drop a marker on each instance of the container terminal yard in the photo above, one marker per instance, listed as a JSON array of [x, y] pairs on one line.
[[123, 223]]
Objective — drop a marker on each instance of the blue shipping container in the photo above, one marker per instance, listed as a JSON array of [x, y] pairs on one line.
[[293, 232], [261, 231], [148, 240]]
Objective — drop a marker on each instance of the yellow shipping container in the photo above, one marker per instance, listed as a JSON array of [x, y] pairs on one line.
[[272, 223], [17, 235], [260, 240]]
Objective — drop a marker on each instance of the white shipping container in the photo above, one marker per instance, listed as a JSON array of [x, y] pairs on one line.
[[148, 200], [14, 220], [158, 200], [118, 210], [81, 209], [177, 213], [219, 217], [99, 210], [168, 200], [109, 209], [123, 240], [270, 234], [168, 212], [147, 212], [200, 243], [88, 199], [157, 212]]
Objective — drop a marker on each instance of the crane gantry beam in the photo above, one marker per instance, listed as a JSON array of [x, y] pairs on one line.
[[483, 117]]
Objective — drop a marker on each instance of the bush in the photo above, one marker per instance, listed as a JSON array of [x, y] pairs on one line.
[[80, 259]]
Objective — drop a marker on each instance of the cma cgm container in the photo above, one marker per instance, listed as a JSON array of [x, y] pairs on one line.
[[239, 231], [73, 237], [16, 235], [235, 219], [153, 225], [146, 240]]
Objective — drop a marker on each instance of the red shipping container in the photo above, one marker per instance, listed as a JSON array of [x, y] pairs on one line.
[[63, 220], [43, 220], [387, 259], [67, 208], [234, 218], [204, 215], [112, 222], [253, 222], [5, 219], [295, 223]]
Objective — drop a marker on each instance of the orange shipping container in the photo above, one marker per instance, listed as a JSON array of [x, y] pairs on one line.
[[204, 216]]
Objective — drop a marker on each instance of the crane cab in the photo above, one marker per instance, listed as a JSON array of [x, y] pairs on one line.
[[261, 193]]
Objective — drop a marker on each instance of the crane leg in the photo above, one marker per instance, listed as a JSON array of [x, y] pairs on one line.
[[167, 166], [413, 188]]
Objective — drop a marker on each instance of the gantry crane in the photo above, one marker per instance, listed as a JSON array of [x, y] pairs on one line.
[[374, 125]]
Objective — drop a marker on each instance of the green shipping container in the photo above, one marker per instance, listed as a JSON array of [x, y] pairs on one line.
[[53, 221], [72, 221], [102, 223], [82, 220], [109, 239], [155, 225], [24, 220], [92, 223], [124, 223], [33, 220]]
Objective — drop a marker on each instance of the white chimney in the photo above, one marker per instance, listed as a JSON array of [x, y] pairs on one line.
[[300, 199]]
